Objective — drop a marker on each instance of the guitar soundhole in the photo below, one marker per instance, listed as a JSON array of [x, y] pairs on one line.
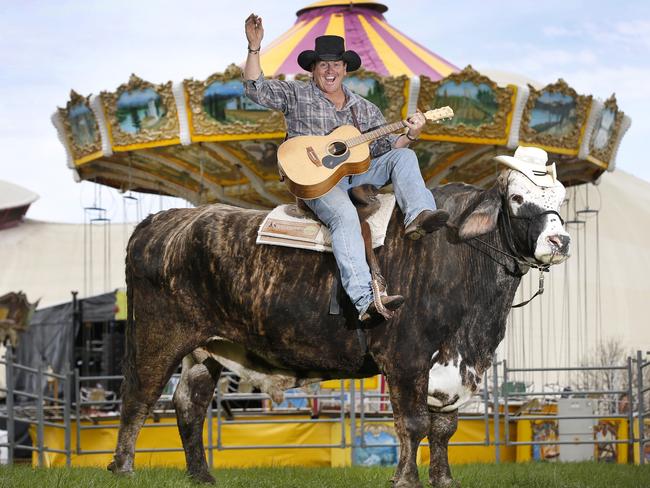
[[337, 148]]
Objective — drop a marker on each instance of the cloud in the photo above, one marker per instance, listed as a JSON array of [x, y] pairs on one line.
[[555, 31], [634, 32], [629, 35], [629, 82]]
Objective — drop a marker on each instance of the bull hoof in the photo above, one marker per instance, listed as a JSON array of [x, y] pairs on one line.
[[112, 467], [405, 483], [203, 477], [445, 483]]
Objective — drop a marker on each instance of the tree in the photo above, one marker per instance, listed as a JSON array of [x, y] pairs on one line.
[[613, 353], [610, 353]]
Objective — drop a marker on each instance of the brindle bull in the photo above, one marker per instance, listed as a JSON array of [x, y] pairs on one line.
[[199, 288]]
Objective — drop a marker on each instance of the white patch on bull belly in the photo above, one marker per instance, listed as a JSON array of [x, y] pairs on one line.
[[232, 356], [447, 380]]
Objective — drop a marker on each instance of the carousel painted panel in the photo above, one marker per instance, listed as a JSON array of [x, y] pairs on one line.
[[379, 445], [605, 134], [389, 93], [555, 118], [482, 110], [81, 129], [140, 115], [218, 110]]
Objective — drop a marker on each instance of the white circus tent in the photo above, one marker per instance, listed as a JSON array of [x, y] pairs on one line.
[[48, 260]]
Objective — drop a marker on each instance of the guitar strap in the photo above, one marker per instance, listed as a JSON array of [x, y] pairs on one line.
[[356, 124], [354, 117], [280, 172]]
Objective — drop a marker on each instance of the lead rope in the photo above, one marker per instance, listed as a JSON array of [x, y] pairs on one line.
[[540, 290], [543, 268]]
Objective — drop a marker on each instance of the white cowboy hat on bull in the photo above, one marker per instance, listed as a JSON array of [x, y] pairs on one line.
[[531, 162]]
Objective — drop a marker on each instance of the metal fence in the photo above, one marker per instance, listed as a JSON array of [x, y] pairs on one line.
[[642, 390], [353, 407], [585, 394], [29, 408]]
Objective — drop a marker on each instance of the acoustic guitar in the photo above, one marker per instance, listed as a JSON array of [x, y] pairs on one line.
[[313, 165]]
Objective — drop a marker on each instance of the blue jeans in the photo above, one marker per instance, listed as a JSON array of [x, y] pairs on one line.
[[335, 209]]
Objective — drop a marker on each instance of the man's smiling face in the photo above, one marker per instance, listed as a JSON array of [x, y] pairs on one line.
[[329, 75]]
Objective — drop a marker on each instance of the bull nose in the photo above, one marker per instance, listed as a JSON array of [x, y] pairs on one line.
[[559, 242]]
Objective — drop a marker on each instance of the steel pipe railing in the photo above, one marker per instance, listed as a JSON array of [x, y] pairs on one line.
[[352, 407]]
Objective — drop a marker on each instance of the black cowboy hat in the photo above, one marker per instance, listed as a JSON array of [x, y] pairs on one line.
[[329, 48]]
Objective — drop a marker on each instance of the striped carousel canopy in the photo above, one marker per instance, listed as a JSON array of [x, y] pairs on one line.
[[205, 141], [383, 49]]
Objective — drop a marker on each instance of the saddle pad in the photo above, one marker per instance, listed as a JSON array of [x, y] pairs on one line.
[[282, 227]]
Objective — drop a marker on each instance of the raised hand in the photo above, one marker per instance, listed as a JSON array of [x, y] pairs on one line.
[[254, 31]]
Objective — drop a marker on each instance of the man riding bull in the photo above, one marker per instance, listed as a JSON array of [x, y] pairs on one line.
[[317, 108]]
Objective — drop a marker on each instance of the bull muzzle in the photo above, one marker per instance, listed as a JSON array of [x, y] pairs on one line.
[[553, 249], [560, 243]]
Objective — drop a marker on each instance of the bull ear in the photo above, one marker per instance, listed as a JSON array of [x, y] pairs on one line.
[[482, 217]]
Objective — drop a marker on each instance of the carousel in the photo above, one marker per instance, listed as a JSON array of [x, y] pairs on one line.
[[205, 141]]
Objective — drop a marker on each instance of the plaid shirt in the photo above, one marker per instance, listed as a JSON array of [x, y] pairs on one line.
[[309, 113]]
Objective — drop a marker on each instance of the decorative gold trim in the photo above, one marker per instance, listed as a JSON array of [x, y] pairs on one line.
[[169, 128], [80, 151], [203, 125], [496, 132], [88, 158], [568, 142], [605, 154]]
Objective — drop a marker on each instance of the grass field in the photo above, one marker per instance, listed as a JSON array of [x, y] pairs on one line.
[[539, 475]]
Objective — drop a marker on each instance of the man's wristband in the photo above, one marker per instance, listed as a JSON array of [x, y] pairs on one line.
[[253, 51], [412, 139]]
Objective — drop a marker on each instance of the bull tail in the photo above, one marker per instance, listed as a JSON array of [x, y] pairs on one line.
[[129, 369]]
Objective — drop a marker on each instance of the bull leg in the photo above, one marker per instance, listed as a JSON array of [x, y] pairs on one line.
[[443, 426], [408, 397], [138, 398], [191, 400]]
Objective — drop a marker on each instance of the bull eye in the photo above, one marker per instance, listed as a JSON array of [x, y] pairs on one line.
[[518, 199]]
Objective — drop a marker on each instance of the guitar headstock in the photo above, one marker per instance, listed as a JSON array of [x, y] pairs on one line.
[[439, 114]]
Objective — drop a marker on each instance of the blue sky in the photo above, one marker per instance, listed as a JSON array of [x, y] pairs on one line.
[[50, 47]]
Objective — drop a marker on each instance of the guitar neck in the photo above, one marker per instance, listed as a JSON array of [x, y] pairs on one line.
[[375, 134]]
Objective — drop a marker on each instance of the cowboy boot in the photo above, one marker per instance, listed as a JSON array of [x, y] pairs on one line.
[[425, 223], [372, 316]]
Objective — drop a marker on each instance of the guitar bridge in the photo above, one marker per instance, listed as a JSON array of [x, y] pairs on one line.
[[313, 157]]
